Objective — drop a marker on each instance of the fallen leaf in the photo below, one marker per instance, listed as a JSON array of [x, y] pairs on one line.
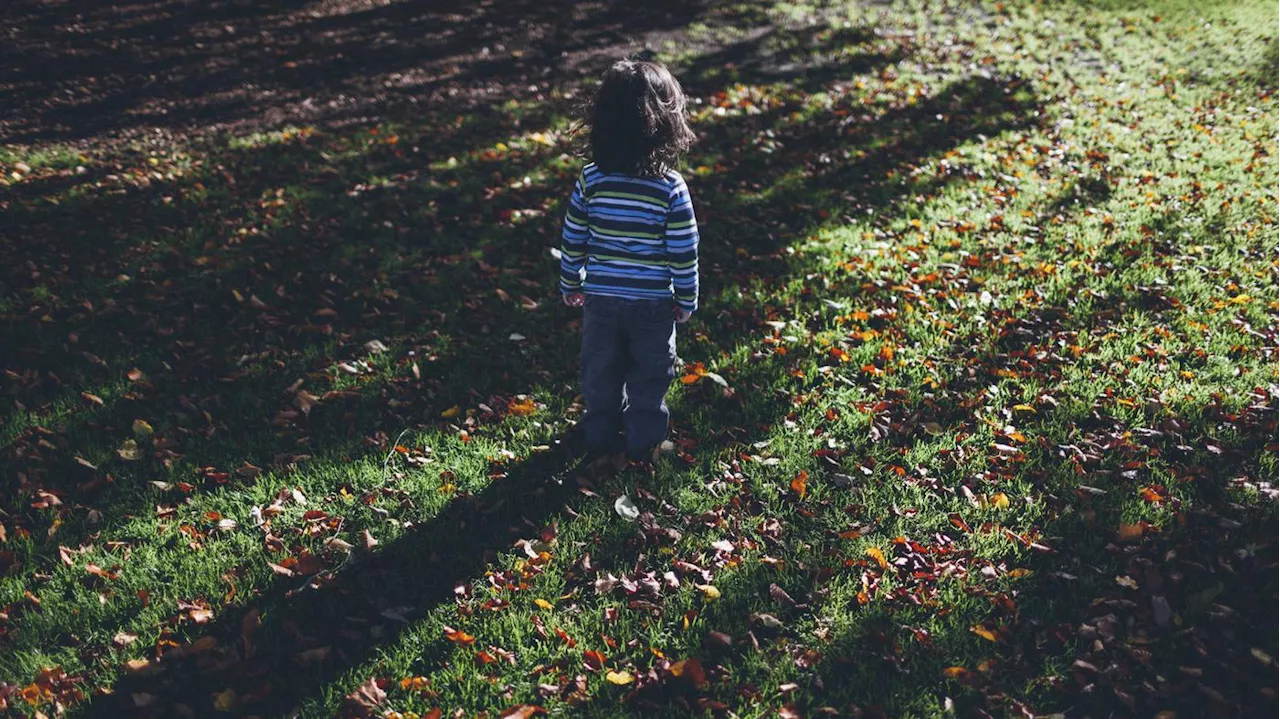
[[312, 656], [522, 711], [690, 670], [984, 632], [361, 702], [800, 483], [594, 659], [225, 701], [130, 451], [544, 604], [709, 591], [719, 640], [458, 637], [619, 678], [876, 554]]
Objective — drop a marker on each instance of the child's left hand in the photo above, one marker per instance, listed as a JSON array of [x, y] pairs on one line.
[[576, 299], [682, 315]]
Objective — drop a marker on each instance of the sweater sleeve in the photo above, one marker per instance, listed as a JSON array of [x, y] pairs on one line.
[[682, 246], [573, 245]]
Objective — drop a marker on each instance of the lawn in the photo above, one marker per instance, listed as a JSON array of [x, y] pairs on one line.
[[978, 416]]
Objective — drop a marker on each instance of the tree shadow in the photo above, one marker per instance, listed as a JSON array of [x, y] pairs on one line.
[[179, 65], [901, 137], [1147, 614]]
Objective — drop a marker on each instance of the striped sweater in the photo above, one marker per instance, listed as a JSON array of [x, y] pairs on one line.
[[630, 237]]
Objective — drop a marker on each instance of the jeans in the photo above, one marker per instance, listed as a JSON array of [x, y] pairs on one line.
[[628, 363]]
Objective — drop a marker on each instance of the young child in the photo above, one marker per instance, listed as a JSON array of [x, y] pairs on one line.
[[629, 257]]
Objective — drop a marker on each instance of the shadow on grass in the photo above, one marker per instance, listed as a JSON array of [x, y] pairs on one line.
[[1087, 610], [895, 142], [180, 65]]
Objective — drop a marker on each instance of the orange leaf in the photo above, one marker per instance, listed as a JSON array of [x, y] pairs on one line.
[[799, 484], [958, 673], [521, 407], [458, 637]]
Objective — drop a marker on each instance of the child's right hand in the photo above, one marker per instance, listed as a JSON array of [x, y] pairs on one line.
[[682, 315], [576, 299]]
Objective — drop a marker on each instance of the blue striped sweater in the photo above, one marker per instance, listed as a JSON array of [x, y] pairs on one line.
[[630, 237]]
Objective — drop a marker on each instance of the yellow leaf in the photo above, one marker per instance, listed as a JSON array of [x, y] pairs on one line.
[[955, 672], [619, 678], [1024, 408], [544, 604], [999, 500], [451, 412], [141, 429], [225, 701], [709, 591], [876, 554], [984, 632], [130, 451]]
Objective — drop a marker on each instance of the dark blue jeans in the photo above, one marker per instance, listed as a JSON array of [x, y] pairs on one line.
[[628, 362]]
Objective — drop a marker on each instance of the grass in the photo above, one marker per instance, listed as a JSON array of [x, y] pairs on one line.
[[992, 288]]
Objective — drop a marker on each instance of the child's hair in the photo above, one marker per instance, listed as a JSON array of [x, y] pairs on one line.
[[637, 120]]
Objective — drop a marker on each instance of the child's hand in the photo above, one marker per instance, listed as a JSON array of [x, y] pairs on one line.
[[576, 299], [682, 315]]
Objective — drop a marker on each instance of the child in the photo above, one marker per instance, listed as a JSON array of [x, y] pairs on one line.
[[630, 257]]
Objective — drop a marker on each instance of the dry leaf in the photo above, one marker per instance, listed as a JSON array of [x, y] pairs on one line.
[[799, 484], [619, 678], [130, 451]]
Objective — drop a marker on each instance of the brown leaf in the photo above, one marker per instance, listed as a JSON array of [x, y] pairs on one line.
[[690, 670], [522, 711], [304, 401], [312, 656], [361, 702], [719, 640], [248, 625], [1128, 533], [369, 541], [780, 595]]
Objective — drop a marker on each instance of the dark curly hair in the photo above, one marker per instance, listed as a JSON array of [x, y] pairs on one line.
[[636, 120]]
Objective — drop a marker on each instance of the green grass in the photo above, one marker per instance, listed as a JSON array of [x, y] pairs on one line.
[[993, 288]]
